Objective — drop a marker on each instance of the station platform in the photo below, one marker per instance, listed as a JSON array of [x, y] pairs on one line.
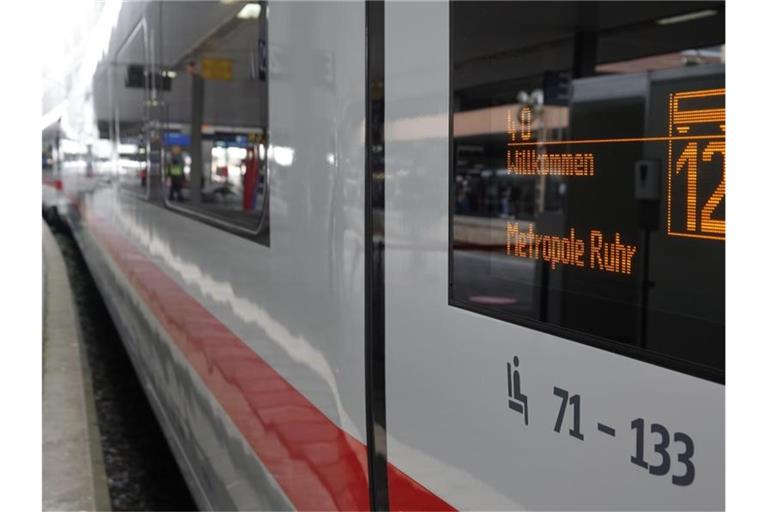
[[73, 468]]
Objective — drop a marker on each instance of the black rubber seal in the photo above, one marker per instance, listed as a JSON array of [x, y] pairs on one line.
[[375, 398]]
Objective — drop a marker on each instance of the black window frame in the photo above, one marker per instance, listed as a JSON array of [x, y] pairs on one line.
[[640, 354]]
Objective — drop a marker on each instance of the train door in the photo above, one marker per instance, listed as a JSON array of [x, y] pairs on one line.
[[553, 253]]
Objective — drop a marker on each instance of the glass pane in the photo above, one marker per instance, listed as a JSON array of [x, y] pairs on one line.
[[213, 90], [588, 170], [130, 115]]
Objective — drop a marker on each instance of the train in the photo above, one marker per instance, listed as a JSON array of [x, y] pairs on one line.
[[411, 255]]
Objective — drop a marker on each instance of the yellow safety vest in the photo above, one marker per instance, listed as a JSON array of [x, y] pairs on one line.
[[175, 170]]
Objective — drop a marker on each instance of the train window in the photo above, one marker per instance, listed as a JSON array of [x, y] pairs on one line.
[[588, 173], [213, 90], [130, 119]]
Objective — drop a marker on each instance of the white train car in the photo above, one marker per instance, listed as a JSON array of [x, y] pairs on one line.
[[414, 255]]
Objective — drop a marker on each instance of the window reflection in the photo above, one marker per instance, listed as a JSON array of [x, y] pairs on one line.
[[189, 113], [131, 115], [565, 139], [216, 117]]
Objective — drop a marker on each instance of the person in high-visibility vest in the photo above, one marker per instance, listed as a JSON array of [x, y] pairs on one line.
[[175, 170]]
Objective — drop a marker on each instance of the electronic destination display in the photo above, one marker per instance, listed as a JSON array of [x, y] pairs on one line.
[[588, 174]]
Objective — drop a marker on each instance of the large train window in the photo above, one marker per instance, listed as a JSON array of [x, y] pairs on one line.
[[213, 90], [588, 173], [130, 119]]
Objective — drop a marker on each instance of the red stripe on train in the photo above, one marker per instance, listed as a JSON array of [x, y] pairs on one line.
[[54, 183], [405, 493], [317, 464]]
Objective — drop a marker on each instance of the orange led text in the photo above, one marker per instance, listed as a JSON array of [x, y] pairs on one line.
[[602, 253], [529, 161]]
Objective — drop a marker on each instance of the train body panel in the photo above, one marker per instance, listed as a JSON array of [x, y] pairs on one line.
[[472, 449], [297, 304], [216, 460]]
